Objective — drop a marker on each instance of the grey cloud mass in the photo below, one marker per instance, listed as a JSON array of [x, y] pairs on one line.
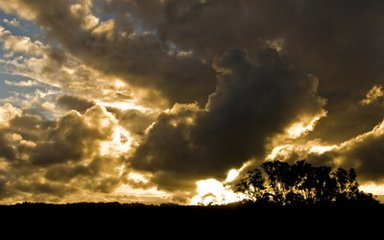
[[74, 103], [6, 150], [184, 90], [253, 102], [338, 41], [367, 158], [364, 153]]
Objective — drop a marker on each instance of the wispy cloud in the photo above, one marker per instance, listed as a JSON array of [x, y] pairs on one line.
[[28, 83]]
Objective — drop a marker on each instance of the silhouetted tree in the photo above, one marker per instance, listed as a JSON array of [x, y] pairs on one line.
[[301, 183]]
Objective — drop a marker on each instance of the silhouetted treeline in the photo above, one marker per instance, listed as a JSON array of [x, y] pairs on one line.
[[283, 184]]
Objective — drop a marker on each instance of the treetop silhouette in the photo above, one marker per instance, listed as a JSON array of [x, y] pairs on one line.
[[301, 183]]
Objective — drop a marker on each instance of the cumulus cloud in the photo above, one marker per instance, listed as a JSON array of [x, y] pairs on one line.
[[51, 159], [7, 113], [323, 36], [65, 142], [20, 44], [189, 143]]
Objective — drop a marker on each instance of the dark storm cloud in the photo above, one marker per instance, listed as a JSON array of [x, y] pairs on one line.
[[365, 154], [367, 158], [339, 41], [68, 102], [253, 102], [141, 59]]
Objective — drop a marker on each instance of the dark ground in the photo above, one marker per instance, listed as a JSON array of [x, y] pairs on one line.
[[93, 211], [117, 221]]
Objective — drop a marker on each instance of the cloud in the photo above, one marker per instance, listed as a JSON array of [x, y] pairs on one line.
[[17, 7], [7, 113], [364, 153], [74, 103], [374, 95], [339, 42], [13, 22], [189, 143], [6, 150], [49, 159], [53, 71], [69, 143], [132, 56], [184, 90], [135, 121], [20, 44], [28, 83]]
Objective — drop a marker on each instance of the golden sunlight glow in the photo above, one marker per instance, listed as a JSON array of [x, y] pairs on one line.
[[211, 191], [232, 175], [373, 188], [304, 126], [321, 149], [119, 84], [209, 186], [297, 129], [277, 151], [120, 143], [137, 177], [123, 105], [285, 151]]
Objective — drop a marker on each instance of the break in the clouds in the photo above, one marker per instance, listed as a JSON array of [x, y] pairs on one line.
[[139, 99]]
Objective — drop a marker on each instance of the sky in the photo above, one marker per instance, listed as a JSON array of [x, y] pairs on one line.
[[172, 100]]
